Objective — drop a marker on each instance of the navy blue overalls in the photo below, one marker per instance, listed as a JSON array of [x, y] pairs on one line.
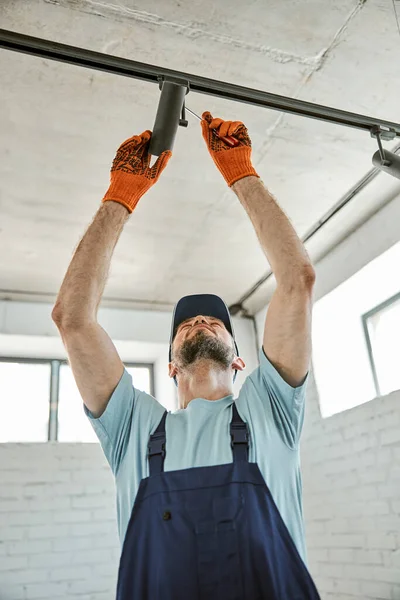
[[209, 533]]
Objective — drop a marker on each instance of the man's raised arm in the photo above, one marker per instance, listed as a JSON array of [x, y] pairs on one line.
[[94, 360]]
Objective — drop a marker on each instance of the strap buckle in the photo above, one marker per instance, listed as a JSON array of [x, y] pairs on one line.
[[156, 445], [239, 434]]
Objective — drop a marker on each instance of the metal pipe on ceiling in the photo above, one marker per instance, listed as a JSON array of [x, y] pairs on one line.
[[11, 40]]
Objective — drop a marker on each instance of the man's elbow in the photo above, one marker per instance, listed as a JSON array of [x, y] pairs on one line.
[[307, 277], [56, 314], [64, 319], [301, 279], [60, 316]]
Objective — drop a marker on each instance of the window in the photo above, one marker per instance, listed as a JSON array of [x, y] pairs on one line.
[[381, 328], [73, 424], [141, 378], [40, 401], [354, 344], [24, 401]]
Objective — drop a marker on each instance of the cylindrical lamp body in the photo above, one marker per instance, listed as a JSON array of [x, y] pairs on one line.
[[393, 168], [167, 118]]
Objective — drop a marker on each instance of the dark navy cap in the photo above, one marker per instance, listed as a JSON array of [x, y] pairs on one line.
[[208, 305]]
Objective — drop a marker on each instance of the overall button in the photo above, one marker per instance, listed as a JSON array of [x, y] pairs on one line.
[[167, 515]]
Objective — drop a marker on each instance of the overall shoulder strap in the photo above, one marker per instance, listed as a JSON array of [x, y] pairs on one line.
[[239, 437], [156, 448]]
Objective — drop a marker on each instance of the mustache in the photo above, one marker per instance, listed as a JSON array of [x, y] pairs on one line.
[[201, 326]]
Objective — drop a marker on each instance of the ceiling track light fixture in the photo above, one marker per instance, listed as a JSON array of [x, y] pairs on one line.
[[383, 159], [175, 85]]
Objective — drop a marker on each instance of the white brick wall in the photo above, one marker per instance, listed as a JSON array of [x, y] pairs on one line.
[[351, 479], [58, 530]]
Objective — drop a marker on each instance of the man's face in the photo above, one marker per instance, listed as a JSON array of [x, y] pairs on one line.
[[203, 338]]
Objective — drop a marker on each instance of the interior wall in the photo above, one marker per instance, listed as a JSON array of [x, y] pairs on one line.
[[350, 461], [351, 477], [58, 529]]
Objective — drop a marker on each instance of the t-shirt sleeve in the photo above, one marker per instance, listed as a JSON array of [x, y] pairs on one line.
[[285, 403], [114, 426]]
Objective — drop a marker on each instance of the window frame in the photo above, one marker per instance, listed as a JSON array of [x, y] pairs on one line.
[[364, 319], [54, 384]]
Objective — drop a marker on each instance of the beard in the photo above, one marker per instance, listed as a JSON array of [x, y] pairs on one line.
[[204, 346]]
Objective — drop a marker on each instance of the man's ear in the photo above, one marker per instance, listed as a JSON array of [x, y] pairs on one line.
[[238, 364], [172, 370]]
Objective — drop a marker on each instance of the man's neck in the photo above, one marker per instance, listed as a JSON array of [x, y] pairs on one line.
[[210, 384]]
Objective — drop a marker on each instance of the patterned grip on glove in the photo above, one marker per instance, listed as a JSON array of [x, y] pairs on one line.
[[131, 174], [233, 163]]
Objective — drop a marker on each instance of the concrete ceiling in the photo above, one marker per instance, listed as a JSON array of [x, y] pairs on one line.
[[61, 126]]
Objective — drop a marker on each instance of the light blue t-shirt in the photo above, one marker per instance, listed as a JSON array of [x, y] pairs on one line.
[[198, 436]]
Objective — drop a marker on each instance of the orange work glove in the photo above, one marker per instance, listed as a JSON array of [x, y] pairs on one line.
[[131, 175], [234, 163]]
